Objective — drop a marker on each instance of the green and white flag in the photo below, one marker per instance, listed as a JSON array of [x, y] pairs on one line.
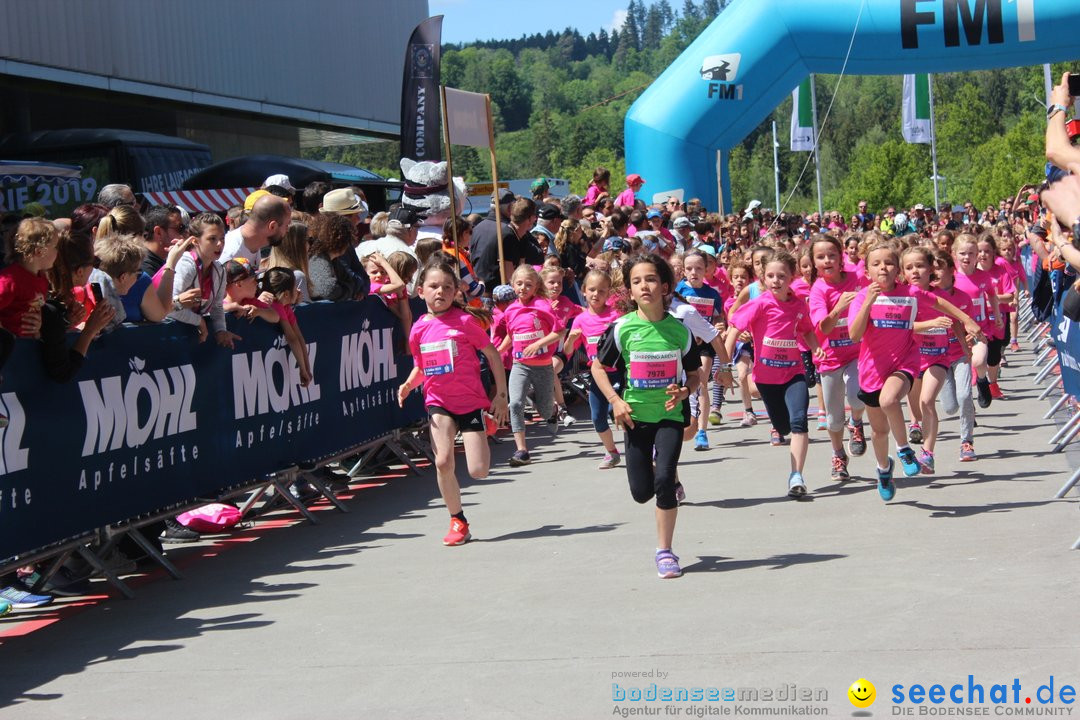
[[802, 118], [916, 116]]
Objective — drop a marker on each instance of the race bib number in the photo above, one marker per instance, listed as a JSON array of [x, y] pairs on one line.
[[779, 353], [524, 340], [653, 369], [437, 358], [893, 313], [591, 343], [840, 330], [933, 342], [979, 304], [703, 305]]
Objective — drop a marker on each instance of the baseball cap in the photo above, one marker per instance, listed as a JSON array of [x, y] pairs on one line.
[[634, 178], [548, 211], [1032, 199], [707, 249], [503, 293], [1037, 230], [919, 206], [505, 196], [539, 184], [249, 201], [615, 244], [281, 180], [653, 214], [403, 217], [683, 222]]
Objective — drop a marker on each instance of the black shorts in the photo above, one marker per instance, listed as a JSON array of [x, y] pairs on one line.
[[559, 354], [469, 422], [706, 350], [943, 366], [873, 399]]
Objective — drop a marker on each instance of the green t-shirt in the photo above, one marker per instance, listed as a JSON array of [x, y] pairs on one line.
[[651, 356]]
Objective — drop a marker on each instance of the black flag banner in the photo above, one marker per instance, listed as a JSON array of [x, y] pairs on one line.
[[420, 93]]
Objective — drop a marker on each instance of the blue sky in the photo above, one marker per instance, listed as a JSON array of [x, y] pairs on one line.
[[467, 20]]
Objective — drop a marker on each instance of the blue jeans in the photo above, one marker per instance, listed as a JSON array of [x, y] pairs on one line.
[[786, 404]]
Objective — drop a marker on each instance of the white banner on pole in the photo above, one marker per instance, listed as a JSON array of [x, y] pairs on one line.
[[467, 118], [916, 112], [802, 118]]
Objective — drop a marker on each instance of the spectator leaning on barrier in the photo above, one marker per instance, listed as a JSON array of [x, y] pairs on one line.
[[23, 283], [329, 277], [292, 253], [201, 268], [62, 311], [119, 258], [347, 203], [270, 216], [163, 228]]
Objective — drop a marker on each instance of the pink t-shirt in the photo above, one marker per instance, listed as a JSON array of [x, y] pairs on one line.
[[932, 344], [445, 346], [19, 290], [376, 286], [978, 286], [565, 311], [962, 301], [1005, 277], [626, 197], [775, 325], [888, 343], [801, 288], [592, 194], [525, 324], [592, 326], [838, 346], [860, 273], [498, 333]]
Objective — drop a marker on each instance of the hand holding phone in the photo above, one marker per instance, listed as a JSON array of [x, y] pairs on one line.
[[98, 294]]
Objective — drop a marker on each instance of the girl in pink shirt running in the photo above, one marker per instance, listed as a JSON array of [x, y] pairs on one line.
[[1005, 287], [587, 327], [833, 289], [775, 320], [932, 329], [444, 344], [531, 334], [979, 284], [882, 317], [565, 311]]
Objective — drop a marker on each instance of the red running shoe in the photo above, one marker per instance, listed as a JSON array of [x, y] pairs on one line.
[[459, 533], [995, 391]]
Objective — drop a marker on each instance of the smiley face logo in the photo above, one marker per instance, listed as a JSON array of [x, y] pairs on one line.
[[862, 693]]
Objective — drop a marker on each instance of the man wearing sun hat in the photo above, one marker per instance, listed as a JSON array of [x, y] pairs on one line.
[[627, 196], [344, 201]]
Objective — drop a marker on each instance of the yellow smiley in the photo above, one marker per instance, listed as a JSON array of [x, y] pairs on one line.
[[862, 693]]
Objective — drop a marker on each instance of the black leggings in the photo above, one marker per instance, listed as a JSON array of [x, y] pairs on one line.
[[786, 404], [994, 346], [645, 482]]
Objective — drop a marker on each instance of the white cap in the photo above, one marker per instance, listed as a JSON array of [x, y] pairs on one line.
[[281, 180]]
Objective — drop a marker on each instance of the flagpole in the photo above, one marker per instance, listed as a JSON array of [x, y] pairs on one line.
[[817, 144], [933, 138], [495, 185], [450, 183], [776, 165]]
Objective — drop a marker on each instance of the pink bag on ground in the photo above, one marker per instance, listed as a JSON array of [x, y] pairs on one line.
[[212, 518]]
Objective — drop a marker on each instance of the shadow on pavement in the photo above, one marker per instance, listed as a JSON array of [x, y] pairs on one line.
[[719, 563], [550, 531]]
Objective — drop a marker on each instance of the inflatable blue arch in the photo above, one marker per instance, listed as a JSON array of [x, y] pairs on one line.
[[756, 52]]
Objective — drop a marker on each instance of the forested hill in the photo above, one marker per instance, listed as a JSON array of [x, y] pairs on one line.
[[559, 101]]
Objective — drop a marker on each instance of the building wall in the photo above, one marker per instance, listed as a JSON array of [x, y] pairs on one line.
[[330, 63]]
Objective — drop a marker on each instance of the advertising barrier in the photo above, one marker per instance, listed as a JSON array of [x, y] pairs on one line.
[[154, 418]]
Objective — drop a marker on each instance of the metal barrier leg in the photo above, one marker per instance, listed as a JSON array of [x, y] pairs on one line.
[[1076, 545], [153, 552], [1046, 393], [95, 562], [392, 444], [1047, 369], [1042, 356], [1073, 432], [326, 492], [281, 486], [254, 498], [1057, 406], [1069, 485], [1064, 429], [355, 469]]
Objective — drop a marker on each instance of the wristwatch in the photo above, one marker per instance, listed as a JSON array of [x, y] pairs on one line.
[[1076, 233], [1054, 110]]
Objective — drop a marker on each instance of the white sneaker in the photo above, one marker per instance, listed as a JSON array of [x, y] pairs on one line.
[[565, 418], [749, 419]]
